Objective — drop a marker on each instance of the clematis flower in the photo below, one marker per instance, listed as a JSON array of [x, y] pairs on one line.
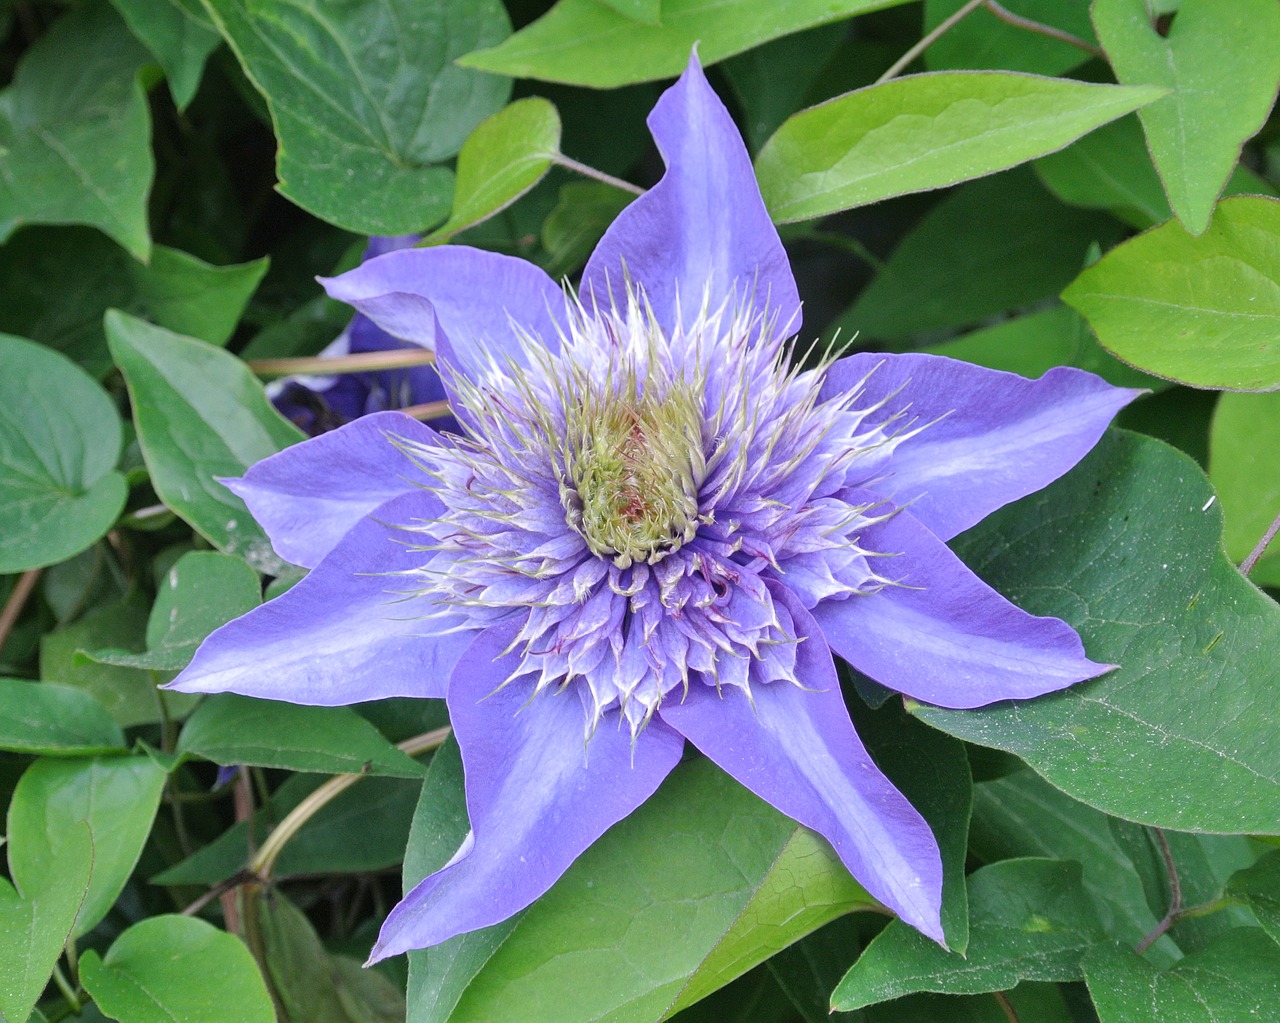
[[656, 528], [318, 404]]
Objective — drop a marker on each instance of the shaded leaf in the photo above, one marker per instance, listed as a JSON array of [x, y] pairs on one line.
[[1259, 886], [580, 218], [180, 35], [1204, 311], [45, 718], [923, 132], [981, 40], [1244, 465], [200, 414]]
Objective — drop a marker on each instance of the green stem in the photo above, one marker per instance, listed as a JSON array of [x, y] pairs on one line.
[[68, 992], [939, 30], [360, 362], [568, 163]]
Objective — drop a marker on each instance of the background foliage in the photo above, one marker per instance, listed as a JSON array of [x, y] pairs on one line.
[[1022, 185]]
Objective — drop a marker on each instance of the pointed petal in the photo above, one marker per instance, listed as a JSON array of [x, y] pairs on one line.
[[944, 636], [344, 634], [797, 750], [537, 796], [702, 226], [309, 496], [1003, 437], [475, 295]]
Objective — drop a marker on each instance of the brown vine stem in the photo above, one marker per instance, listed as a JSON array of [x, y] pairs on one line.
[[427, 410], [361, 362], [264, 861], [22, 591], [1256, 554], [1175, 894], [939, 30], [1039, 27], [568, 163], [1003, 1000]]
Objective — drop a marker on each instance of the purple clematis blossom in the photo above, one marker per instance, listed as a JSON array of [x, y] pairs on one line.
[[654, 529]]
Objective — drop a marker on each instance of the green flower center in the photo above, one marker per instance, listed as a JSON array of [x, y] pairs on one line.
[[634, 463]]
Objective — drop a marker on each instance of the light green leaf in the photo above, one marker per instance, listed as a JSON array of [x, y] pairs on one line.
[[926, 131], [1236, 980], [502, 159], [229, 729], [647, 11], [60, 437], [1201, 310], [55, 284], [1222, 67], [584, 42], [1145, 583], [201, 592], [36, 924], [1244, 465], [44, 718], [177, 969], [996, 244], [1030, 920], [981, 40], [75, 132], [200, 414], [179, 34], [117, 796], [1259, 886], [365, 99], [1110, 169]]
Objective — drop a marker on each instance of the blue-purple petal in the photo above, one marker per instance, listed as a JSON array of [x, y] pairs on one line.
[[310, 495], [994, 437], [538, 795], [797, 749], [944, 636], [346, 633], [482, 300], [702, 227]]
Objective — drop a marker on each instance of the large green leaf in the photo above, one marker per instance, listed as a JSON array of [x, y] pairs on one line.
[[926, 131], [117, 796], [503, 158], [996, 244], [200, 414], [179, 34], [1126, 548], [981, 40], [60, 438], [1236, 980], [202, 591], [229, 729], [1030, 920], [366, 99], [584, 42], [1259, 887], [1244, 465], [1201, 310], [36, 923], [177, 969], [1221, 64], [75, 132], [38, 717]]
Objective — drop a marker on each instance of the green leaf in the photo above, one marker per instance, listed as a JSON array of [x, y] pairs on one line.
[[229, 729], [1244, 465], [117, 796], [502, 159], [647, 11], [55, 284], [1030, 920], [75, 132], [1222, 67], [201, 592], [179, 34], [981, 40], [60, 438], [200, 414], [176, 969], [1110, 169], [996, 244], [584, 42], [1033, 344], [923, 132], [365, 98], [579, 220], [36, 924], [1259, 886], [54, 720], [1145, 583], [1204, 311], [1233, 981]]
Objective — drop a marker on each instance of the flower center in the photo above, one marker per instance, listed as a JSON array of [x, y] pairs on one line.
[[633, 466]]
